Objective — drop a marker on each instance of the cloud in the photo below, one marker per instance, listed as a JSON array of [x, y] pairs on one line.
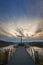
[[38, 35], [20, 31], [39, 26], [24, 27], [6, 33], [39, 30]]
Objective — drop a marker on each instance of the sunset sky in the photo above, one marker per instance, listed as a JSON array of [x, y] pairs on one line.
[[21, 18]]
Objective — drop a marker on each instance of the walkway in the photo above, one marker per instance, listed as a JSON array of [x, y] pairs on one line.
[[21, 57]]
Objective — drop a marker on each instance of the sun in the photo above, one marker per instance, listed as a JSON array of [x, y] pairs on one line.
[[28, 33]]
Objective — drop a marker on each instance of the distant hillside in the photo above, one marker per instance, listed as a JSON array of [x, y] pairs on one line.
[[39, 44], [4, 43]]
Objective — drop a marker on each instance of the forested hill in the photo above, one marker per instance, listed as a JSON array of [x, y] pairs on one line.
[[4, 43], [39, 44]]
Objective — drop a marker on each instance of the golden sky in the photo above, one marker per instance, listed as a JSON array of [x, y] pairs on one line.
[[25, 28]]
